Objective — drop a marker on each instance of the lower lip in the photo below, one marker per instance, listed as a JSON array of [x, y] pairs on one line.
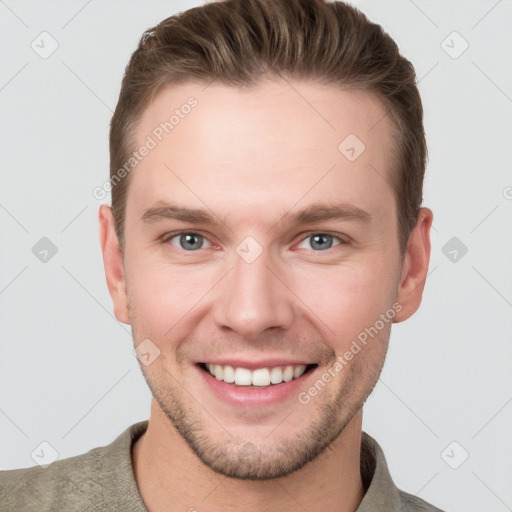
[[244, 396]]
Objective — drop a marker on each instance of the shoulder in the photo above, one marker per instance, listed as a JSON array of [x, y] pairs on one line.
[[64, 484], [84, 482], [381, 491], [411, 503]]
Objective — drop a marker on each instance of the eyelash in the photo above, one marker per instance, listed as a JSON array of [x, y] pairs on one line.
[[168, 237]]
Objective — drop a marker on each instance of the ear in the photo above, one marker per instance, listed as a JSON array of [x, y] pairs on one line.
[[113, 263], [415, 266]]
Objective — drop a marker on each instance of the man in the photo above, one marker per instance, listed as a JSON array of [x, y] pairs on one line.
[[266, 229]]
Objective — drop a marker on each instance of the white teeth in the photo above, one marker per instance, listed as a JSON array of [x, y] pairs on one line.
[[276, 375], [299, 370], [229, 374], [258, 377], [242, 377], [288, 374], [261, 377]]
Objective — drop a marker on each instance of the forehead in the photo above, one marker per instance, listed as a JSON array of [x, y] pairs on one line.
[[273, 143]]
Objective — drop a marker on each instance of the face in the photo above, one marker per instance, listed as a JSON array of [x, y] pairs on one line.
[[258, 250]]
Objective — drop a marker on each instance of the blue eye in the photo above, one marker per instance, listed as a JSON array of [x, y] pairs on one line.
[[320, 241], [188, 241]]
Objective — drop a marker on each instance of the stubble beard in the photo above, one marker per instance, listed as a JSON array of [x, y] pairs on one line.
[[247, 459]]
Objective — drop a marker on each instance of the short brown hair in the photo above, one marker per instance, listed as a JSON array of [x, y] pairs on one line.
[[238, 42]]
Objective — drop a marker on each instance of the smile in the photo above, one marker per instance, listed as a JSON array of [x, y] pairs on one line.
[[258, 377]]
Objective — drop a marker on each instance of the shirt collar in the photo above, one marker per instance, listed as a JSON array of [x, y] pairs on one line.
[[381, 492]]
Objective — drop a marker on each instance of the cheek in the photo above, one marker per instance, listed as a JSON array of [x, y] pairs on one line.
[[165, 298], [346, 300]]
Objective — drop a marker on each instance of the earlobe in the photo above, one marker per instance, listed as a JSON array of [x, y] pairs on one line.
[[415, 266], [113, 264]]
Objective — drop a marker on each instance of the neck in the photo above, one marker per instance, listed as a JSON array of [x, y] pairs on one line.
[[171, 477]]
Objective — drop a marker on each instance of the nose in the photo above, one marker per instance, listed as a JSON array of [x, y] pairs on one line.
[[253, 299]]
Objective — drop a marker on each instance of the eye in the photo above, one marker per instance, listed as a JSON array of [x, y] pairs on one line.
[[188, 241], [320, 241]]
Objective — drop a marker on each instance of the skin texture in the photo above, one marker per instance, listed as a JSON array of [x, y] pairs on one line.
[[248, 157]]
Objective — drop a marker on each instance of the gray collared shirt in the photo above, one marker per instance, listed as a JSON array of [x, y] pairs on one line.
[[102, 480]]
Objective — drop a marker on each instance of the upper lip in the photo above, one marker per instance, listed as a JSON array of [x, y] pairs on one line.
[[253, 364]]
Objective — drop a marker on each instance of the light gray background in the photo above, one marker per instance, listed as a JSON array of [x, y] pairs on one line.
[[68, 373]]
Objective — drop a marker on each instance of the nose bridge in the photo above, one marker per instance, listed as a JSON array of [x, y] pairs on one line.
[[252, 299]]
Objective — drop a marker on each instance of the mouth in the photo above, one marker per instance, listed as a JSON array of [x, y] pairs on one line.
[[257, 378]]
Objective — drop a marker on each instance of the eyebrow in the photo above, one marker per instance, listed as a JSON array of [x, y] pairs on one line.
[[314, 213]]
